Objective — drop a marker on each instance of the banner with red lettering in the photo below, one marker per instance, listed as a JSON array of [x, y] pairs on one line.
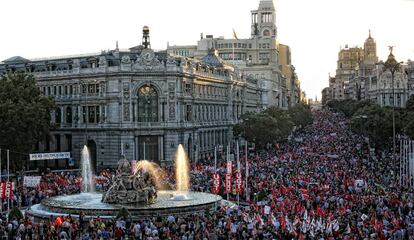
[[228, 183], [9, 190], [2, 189], [216, 183], [229, 167], [239, 183]]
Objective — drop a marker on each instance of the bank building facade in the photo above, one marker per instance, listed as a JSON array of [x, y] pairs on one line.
[[139, 103]]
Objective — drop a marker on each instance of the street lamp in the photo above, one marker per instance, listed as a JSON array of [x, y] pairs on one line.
[[393, 66]]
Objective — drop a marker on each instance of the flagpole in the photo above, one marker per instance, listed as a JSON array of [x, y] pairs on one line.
[[228, 159], [215, 160], [8, 179], [247, 171], [238, 170], [144, 152], [1, 200], [233, 54]]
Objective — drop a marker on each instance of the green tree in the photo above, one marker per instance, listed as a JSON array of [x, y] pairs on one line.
[[409, 106], [348, 107], [270, 126], [301, 115], [376, 122], [15, 213], [24, 114], [408, 118]]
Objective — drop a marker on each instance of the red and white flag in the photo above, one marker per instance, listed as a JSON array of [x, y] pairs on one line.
[[9, 190], [228, 183], [2, 190], [216, 183], [239, 183], [229, 167]]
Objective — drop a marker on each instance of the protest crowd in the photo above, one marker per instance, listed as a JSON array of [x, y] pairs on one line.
[[322, 184]]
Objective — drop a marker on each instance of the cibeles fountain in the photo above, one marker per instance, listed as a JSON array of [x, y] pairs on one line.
[[138, 190]]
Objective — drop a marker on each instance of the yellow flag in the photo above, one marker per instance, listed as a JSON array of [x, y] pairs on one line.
[[235, 35]]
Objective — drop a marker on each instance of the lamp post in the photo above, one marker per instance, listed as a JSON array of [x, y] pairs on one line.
[[393, 66]]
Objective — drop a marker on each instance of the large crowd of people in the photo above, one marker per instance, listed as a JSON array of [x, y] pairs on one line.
[[324, 183]]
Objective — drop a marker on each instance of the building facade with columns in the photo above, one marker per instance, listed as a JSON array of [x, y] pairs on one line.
[[259, 56], [139, 103]]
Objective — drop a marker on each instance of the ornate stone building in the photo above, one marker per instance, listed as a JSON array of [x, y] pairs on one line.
[[139, 103], [353, 65], [360, 76], [259, 56]]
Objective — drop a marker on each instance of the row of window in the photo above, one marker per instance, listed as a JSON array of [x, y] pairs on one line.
[[210, 91], [90, 114], [237, 56], [211, 112], [233, 45], [208, 139], [60, 90], [59, 145], [183, 53], [264, 56], [264, 45], [243, 45], [69, 90]]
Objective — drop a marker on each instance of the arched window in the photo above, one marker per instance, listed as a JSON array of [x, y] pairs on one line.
[[58, 116], [147, 104], [266, 33], [68, 115]]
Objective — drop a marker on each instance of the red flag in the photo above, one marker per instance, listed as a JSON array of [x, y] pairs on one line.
[[9, 191], [216, 183], [229, 167], [283, 222], [3, 190], [239, 183], [372, 222]]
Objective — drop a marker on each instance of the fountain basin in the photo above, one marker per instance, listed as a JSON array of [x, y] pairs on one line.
[[91, 206]]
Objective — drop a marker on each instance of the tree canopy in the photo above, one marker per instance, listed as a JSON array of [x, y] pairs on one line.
[[272, 125], [24, 114], [301, 115]]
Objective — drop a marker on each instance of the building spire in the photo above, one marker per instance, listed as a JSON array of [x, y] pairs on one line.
[[369, 33], [116, 48]]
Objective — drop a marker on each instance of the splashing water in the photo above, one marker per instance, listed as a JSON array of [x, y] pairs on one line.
[[182, 172], [154, 170], [87, 175]]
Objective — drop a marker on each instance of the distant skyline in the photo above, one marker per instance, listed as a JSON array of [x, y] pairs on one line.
[[315, 30]]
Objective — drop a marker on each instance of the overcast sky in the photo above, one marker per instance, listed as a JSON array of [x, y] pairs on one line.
[[314, 29]]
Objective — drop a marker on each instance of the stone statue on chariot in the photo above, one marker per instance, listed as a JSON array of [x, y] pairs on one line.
[[129, 187]]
